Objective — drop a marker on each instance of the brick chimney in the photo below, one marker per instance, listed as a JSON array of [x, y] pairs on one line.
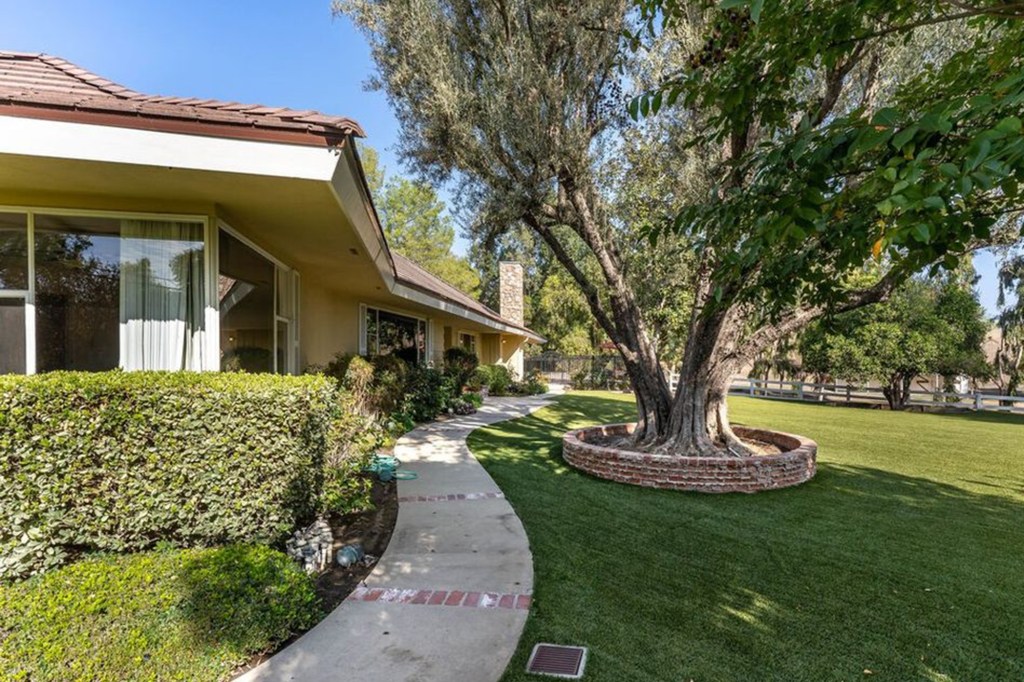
[[510, 306]]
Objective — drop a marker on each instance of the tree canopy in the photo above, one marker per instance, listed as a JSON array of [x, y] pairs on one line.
[[927, 327]]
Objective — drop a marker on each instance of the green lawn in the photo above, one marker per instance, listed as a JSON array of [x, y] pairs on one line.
[[902, 560]]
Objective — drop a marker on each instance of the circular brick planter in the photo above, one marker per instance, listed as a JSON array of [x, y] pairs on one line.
[[794, 465]]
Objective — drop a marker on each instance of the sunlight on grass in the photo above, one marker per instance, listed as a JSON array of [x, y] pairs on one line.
[[901, 557]]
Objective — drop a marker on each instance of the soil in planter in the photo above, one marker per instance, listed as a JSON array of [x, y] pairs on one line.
[[372, 529], [757, 447]]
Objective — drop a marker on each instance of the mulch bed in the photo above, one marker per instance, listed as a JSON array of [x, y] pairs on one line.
[[757, 447], [372, 529]]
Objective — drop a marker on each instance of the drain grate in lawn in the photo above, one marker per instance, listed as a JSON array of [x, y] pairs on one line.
[[556, 660]]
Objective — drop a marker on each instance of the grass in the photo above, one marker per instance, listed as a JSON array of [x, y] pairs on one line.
[[902, 560], [166, 614]]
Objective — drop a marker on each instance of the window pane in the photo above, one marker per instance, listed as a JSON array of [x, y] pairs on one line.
[[12, 336], [77, 293], [246, 292], [13, 251], [162, 302], [392, 334]]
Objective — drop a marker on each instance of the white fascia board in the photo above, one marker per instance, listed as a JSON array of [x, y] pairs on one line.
[[354, 200], [426, 299], [109, 144]]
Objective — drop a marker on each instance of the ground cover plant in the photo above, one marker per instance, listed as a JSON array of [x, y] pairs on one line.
[[899, 561], [166, 614]]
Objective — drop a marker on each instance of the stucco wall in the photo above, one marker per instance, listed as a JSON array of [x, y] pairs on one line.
[[328, 323]]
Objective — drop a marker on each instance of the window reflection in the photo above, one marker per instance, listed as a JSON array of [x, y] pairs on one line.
[[389, 333], [78, 280], [245, 289]]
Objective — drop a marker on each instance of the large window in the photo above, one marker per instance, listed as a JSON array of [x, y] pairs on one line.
[[389, 333], [95, 293], [257, 310]]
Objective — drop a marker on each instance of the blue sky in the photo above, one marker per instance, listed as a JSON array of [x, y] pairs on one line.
[[286, 53]]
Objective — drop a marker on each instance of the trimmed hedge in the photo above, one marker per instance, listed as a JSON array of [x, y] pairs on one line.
[[167, 614], [118, 461]]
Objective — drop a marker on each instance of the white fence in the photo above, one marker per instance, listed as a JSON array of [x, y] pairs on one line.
[[846, 393]]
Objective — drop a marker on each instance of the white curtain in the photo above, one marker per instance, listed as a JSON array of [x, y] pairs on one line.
[[162, 311]]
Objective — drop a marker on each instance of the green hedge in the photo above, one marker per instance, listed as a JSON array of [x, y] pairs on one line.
[[118, 461], [193, 614]]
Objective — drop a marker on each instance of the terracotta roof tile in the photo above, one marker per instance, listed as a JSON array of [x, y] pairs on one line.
[[44, 81]]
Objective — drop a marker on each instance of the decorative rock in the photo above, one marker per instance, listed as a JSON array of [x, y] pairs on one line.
[[311, 546]]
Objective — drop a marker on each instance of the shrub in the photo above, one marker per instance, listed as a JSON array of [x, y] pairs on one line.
[[533, 385], [460, 364], [390, 374], [353, 439], [193, 614], [497, 379], [118, 461], [429, 392], [474, 399]]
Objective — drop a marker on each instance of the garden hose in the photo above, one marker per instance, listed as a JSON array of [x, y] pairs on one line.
[[386, 468]]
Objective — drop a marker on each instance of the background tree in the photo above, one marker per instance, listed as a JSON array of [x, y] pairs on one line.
[[1008, 365], [417, 225], [523, 102], [927, 327]]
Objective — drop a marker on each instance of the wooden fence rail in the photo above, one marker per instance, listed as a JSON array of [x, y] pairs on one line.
[[851, 394]]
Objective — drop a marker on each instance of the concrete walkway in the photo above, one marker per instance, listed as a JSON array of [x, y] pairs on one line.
[[449, 598]]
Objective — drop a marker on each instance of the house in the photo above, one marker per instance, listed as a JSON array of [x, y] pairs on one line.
[[168, 233]]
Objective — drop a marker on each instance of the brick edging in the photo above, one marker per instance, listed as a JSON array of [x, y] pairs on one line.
[[463, 598], [796, 465]]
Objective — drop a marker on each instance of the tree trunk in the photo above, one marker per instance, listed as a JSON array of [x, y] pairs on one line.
[[897, 392]]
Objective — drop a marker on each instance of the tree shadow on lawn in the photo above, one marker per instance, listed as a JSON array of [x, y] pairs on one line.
[[859, 569], [242, 598]]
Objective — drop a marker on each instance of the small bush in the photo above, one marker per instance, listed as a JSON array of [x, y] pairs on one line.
[[118, 461], [353, 438], [429, 392], [193, 614], [460, 364], [497, 379], [533, 385], [390, 374], [474, 399]]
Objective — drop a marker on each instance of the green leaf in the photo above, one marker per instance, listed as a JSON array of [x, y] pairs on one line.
[[934, 202], [1011, 125], [887, 116], [984, 147], [949, 170], [755, 10], [903, 137], [923, 232]]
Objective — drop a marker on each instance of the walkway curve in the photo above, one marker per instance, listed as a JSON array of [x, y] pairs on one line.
[[448, 600]]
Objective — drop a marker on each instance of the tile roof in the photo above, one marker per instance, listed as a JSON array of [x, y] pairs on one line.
[[33, 84], [407, 272], [47, 86]]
